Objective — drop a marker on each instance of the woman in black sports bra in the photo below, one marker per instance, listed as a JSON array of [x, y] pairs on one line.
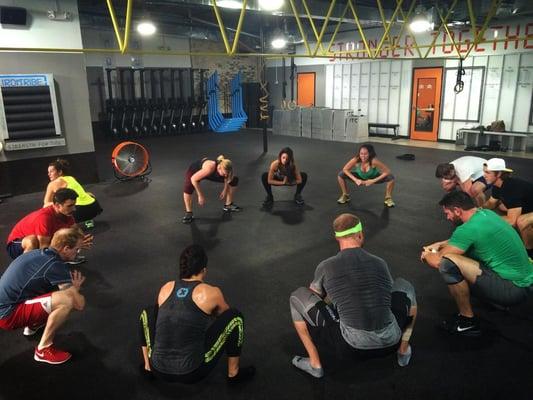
[[220, 170]]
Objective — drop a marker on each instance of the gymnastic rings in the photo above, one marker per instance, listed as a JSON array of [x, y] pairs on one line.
[[130, 160], [291, 105]]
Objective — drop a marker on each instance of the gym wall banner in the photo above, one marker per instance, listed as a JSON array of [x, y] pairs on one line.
[[500, 38], [29, 114]]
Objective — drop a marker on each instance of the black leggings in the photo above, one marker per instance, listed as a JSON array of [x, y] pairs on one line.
[[268, 187], [85, 213], [225, 333]]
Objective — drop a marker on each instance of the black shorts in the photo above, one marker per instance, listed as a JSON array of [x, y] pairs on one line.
[[188, 187], [490, 286], [88, 212], [14, 248]]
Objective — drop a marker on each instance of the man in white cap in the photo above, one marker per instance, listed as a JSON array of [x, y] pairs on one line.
[[513, 196]]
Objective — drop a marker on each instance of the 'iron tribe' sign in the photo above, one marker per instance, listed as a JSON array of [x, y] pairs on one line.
[[23, 80], [499, 38]]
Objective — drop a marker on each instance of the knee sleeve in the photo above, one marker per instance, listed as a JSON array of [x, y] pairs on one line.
[[450, 272], [235, 181]]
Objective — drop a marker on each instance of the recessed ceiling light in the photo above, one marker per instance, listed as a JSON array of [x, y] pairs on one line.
[[271, 5], [146, 28], [230, 4]]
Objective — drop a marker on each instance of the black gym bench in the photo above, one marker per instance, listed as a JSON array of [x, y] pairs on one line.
[[395, 127]]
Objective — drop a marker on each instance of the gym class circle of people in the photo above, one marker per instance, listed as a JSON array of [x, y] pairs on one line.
[[352, 294]]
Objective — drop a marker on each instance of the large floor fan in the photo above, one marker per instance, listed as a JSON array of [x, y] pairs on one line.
[[130, 161]]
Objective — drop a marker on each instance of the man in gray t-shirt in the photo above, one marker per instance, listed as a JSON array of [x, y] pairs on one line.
[[371, 312]]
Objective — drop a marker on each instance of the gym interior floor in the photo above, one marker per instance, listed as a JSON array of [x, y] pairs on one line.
[[258, 258]]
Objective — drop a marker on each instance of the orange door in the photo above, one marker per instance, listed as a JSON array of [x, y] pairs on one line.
[[425, 105], [306, 89]]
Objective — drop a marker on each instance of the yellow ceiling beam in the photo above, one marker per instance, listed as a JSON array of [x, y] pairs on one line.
[[387, 27]]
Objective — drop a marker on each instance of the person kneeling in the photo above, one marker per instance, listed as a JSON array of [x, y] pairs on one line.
[[370, 314], [184, 335], [484, 256], [28, 294]]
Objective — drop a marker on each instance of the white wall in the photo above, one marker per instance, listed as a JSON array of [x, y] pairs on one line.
[[40, 31], [68, 71], [379, 89], [506, 93]]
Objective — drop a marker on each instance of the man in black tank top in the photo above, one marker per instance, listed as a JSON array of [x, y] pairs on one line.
[[183, 337]]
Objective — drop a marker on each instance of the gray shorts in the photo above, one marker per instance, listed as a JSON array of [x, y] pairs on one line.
[[388, 178], [490, 286]]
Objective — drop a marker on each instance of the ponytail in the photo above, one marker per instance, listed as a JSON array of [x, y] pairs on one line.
[[227, 165]]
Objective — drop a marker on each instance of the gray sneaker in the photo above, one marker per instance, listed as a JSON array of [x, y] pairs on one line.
[[345, 198], [231, 208]]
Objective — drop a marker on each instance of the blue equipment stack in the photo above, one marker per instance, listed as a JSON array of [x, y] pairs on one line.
[[217, 122]]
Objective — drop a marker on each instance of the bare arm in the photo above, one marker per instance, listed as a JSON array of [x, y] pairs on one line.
[[433, 258], [165, 292], [347, 169], [466, 187], [512, 215], [271, 180], [209, 299], [385, 171], [51, 188], [44, 241], [74, 286], [491, 203], [208, 167]]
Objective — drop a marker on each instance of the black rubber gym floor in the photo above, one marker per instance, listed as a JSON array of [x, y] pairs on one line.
[[258, 258]]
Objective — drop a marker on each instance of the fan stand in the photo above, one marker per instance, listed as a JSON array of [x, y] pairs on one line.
[[143, 177], [124, 172]]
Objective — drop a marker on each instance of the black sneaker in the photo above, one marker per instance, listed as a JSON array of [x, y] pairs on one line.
[[460, 325], [269, 200], [187, 218], [231, 208], [244, 374], [298, 199]]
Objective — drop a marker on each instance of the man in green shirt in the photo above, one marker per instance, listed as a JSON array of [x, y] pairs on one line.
[[484, 256]]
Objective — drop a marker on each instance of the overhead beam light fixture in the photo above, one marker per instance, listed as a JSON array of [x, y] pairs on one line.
[[146, 28], [279, 42], [420, 22], [235, 4], [271, 5]]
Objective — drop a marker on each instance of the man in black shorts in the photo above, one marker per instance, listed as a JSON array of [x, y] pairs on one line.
[[514, 196], [369, 312]]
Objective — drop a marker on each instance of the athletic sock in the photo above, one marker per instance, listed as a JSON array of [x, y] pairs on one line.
[[403, 359], [244, 374], [304, 364]]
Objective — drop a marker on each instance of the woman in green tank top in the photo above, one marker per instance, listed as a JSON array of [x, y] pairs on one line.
[[87, 207], [365, 170]]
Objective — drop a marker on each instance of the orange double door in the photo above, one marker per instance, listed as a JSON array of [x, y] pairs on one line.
[[425, 104]]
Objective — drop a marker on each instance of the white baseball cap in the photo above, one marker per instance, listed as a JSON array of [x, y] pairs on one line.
[[496, 165]]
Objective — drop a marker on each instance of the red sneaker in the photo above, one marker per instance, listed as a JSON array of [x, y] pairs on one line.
[[51, 355]]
